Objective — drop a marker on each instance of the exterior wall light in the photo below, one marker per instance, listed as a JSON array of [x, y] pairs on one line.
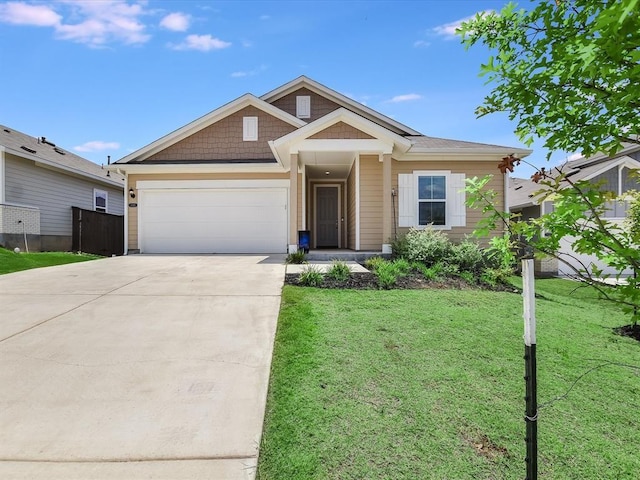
[[131, 193]]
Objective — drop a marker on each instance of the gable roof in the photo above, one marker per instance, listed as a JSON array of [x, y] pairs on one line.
[[383, 140], [522, 191], [602, 157], [341, 100], [46, 153], [207, 120]]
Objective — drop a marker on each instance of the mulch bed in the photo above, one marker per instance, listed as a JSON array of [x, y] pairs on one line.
[[368, 281], [632, 331]]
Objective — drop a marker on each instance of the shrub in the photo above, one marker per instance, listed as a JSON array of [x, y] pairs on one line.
[[468, 256], [373, 262], [387, 274], [402, 266], [339, 271], [298, 257], [428, 246], [399, 246], [468, 277], [311, 276], [495, 276]]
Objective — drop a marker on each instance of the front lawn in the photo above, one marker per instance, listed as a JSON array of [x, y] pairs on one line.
[[14, 262], [428, 384]]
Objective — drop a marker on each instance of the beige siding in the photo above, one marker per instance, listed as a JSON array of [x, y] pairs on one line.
[[299, 222], [370, 203], [351, 208], [341, 130], [470, 169], [320, 106], [132, 224], [223, 139]]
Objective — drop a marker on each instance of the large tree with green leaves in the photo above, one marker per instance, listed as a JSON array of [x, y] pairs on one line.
[[568, 72]]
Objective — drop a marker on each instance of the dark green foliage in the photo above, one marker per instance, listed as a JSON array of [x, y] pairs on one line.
[[339, 271]]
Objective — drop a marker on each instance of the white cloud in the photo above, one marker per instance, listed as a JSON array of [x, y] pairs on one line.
[[409, 97], [249, 73], [96, 146], [265, 17], [20, 13], [448, 30], [204, 43], [105, 21], [574, 156], [94, 23], [177, 22], [421, 44]]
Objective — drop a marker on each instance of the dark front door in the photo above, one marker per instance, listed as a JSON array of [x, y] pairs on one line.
[[327, 217]]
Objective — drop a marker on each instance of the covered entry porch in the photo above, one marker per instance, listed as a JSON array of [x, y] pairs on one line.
[[341, 182]]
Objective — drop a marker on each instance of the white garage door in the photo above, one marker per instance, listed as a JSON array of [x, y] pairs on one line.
[[252, 220]]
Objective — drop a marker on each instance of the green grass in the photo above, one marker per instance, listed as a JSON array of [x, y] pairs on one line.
[[14, 262], [429, 385]]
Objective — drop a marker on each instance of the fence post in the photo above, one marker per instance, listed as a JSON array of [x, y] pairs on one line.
[[531, 401]]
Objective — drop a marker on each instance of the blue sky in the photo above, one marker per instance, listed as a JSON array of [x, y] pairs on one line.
[[107, 77]]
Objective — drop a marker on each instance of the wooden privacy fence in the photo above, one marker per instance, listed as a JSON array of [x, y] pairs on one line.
[[98, 233]]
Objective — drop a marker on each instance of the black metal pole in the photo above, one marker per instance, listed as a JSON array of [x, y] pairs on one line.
[[531, 412]]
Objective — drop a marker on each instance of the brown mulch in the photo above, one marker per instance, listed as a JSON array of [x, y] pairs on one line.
[[368, 281], [632, 331]]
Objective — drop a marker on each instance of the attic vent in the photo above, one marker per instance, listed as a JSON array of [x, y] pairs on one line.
[[57, 150], [27, 149], [44, 140], [6, 130]]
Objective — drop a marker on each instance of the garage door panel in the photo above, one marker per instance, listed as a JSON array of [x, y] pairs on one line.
[[214, 221]]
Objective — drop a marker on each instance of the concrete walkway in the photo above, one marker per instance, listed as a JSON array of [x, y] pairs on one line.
[[137, 367]]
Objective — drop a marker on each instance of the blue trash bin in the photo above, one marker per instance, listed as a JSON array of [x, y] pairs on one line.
[[304, 240]]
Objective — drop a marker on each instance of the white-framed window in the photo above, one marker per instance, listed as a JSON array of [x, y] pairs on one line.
[[434, 198], [303, 106], [250, 129], [100, 200]]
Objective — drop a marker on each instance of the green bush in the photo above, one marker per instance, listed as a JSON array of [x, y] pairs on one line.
[[373, 262], [468, 277], [339, 271], [298, 257], [311, 276], [402, 266], [468, 256], [428, 246], [387, 274], [399, 246], [496, 276]]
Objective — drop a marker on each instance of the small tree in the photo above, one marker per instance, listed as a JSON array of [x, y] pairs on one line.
[[568, 72]]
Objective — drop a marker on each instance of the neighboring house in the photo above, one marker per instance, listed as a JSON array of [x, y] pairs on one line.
[[40, 182], [249, 176], [612, 173]]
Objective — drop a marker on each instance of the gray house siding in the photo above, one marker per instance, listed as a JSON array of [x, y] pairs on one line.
[[53, 193]]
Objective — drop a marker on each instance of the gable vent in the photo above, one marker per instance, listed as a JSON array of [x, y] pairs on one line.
[[27, 149], [57, 150]]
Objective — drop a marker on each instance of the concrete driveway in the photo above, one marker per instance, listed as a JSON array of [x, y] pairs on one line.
[[137, 367]]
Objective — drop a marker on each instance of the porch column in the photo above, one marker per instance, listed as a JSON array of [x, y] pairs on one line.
[[293, 204], [386, 203]]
